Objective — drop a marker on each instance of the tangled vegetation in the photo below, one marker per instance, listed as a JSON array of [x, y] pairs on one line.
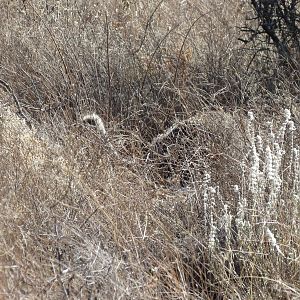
[[149, 150]]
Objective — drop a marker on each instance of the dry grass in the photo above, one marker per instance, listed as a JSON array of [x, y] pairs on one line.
[[186, 197]]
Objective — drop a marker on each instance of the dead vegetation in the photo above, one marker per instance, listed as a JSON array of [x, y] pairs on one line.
[[186, 195]]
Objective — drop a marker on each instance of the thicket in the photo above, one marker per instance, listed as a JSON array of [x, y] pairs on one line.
[[192, 193], [274, 28]]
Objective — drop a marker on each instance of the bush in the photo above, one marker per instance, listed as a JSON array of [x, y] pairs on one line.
[[183, 195]]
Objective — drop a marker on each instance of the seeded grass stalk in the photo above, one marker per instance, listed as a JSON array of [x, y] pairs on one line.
[[249, 238], [87, 215], [90, 226]]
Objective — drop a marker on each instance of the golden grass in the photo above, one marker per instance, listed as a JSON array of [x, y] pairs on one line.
[[87, 217]]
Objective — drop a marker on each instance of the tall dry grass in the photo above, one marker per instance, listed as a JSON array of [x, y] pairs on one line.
[[188, 196]]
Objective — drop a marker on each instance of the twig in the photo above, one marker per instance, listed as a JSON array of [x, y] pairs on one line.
[[182, 46], [20, 112], [147, 26], [109, 113]]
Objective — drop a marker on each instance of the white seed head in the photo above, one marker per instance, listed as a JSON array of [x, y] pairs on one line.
[[236, 188], [292, 126], [251, 115], [259, 143], [272, 241], [96, 121], [269, 164], [287, 114]]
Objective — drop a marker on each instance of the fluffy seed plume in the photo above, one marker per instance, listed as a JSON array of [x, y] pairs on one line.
[[96, 121], [272, 241]]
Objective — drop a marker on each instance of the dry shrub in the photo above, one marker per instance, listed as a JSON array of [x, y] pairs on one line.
[[87, 217], [47, 234], [79, 221], [159, 59], [211, 140]]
